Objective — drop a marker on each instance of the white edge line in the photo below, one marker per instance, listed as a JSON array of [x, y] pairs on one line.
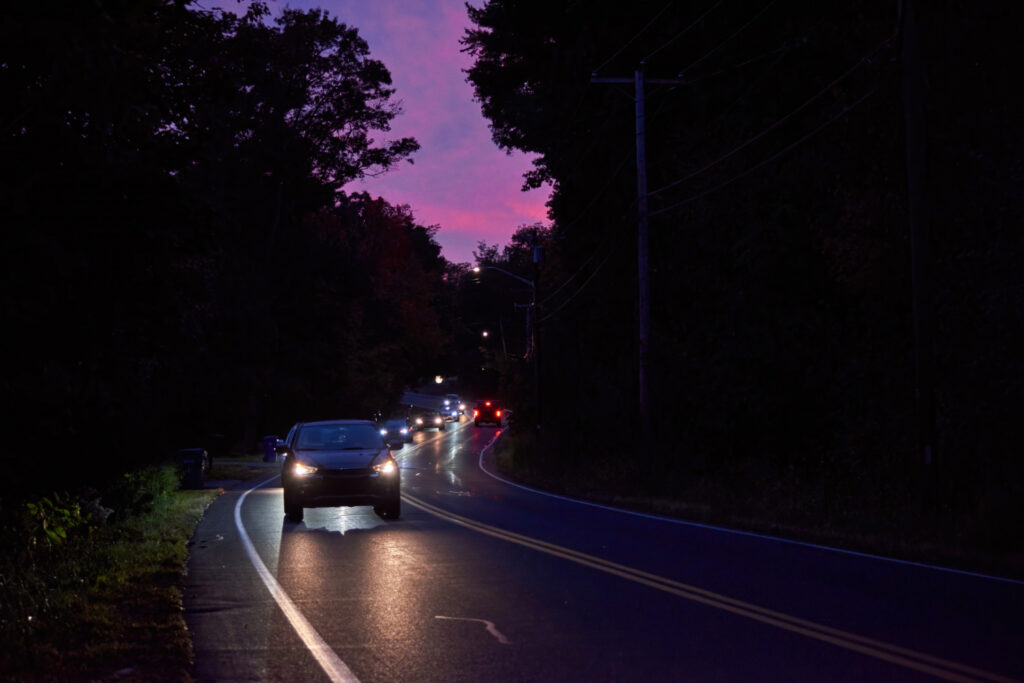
[[738, 532], [329, 661]]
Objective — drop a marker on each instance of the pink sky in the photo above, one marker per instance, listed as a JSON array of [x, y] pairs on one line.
[[459, 180]]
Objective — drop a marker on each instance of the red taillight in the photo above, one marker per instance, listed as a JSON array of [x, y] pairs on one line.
[[497, 413], [488, 404], [476, 413]]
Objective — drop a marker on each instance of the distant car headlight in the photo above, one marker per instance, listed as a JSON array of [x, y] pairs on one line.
[[419, 420], [462, 406], [404, 431], [301, 470], [387, 467], [437, 420], [383, 432]]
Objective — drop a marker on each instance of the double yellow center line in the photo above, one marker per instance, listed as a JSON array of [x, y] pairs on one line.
[[894, 654]]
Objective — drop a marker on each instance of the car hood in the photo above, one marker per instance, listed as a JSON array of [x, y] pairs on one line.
[[337, 460]]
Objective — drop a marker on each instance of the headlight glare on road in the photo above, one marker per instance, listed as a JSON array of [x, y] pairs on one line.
[[302, 470]]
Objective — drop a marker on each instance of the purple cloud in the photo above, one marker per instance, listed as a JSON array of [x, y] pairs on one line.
[[459, 180]]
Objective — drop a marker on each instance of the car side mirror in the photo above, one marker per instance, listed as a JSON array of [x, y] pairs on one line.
[[281, 449]]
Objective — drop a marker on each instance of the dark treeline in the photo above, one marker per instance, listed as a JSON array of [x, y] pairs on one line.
[[782, 344], [179, 261]]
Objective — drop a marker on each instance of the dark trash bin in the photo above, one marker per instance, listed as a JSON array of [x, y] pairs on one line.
[[193, 462], [270, 448]]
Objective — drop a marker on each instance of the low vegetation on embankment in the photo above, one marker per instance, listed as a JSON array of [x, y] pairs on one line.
[[888, 513], [90, 582]]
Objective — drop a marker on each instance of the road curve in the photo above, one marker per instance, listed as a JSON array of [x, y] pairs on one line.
[[480, 579]]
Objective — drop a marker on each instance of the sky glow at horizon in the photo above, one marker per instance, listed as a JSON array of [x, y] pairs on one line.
[[459, 180]]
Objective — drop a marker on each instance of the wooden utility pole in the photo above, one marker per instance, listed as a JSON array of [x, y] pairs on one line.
[[920, 247], [643, 334]]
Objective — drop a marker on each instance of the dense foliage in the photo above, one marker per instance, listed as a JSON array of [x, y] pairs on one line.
[[179, 258], [782, 333]]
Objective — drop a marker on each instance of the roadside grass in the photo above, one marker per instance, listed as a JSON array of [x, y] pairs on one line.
[[100, 600], [849, 510], [237, 468]]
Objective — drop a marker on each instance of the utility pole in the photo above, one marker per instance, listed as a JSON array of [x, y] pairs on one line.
[[639, 81], [920, 249]]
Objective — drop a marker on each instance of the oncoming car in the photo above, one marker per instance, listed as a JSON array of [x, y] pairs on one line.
[[426, 418], [337, 463], [396, 432], [453, 402], [487, 411]]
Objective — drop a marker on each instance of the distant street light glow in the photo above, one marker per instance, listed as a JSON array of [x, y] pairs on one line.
[[438, 379]]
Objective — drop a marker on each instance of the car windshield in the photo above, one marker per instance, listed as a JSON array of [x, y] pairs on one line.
[[338, 437], [395, 423]]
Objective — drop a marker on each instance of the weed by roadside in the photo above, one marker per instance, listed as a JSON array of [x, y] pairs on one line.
[[91, 592]]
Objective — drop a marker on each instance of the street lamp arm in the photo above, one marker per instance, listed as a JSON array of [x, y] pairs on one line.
[[502, 270]]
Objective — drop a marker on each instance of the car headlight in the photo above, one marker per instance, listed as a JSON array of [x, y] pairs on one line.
[[383, 432], [387, 467], [419, 420], [437, 420], [302, 470], [462, 406], [405, 431]]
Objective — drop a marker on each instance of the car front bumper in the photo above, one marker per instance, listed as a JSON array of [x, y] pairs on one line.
[[334, 488]]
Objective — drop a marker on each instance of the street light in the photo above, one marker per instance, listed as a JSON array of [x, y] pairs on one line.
[[532, 318], [531, 312]]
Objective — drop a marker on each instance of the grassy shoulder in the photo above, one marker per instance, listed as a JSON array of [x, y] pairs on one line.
[[85, 599], [845, 510], [239, 468]]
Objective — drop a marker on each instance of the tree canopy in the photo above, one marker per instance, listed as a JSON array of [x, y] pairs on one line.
[[180, 259], [781, 332]]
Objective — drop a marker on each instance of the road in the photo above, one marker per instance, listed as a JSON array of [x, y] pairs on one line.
[[481, 580]]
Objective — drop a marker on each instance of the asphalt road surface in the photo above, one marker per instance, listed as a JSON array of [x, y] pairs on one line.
[[481, 580]]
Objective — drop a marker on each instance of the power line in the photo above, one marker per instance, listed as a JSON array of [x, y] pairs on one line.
[[770, 159], [633, 39], [735, 33], [574, 294], [739, 65], [579, 217], [860, 62], [586, 282], [683, 32]]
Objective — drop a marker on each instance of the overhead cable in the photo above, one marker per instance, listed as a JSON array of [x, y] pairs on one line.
[[839, 79], [735, 33], [683, 32], [770, 159], [633, 39]]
